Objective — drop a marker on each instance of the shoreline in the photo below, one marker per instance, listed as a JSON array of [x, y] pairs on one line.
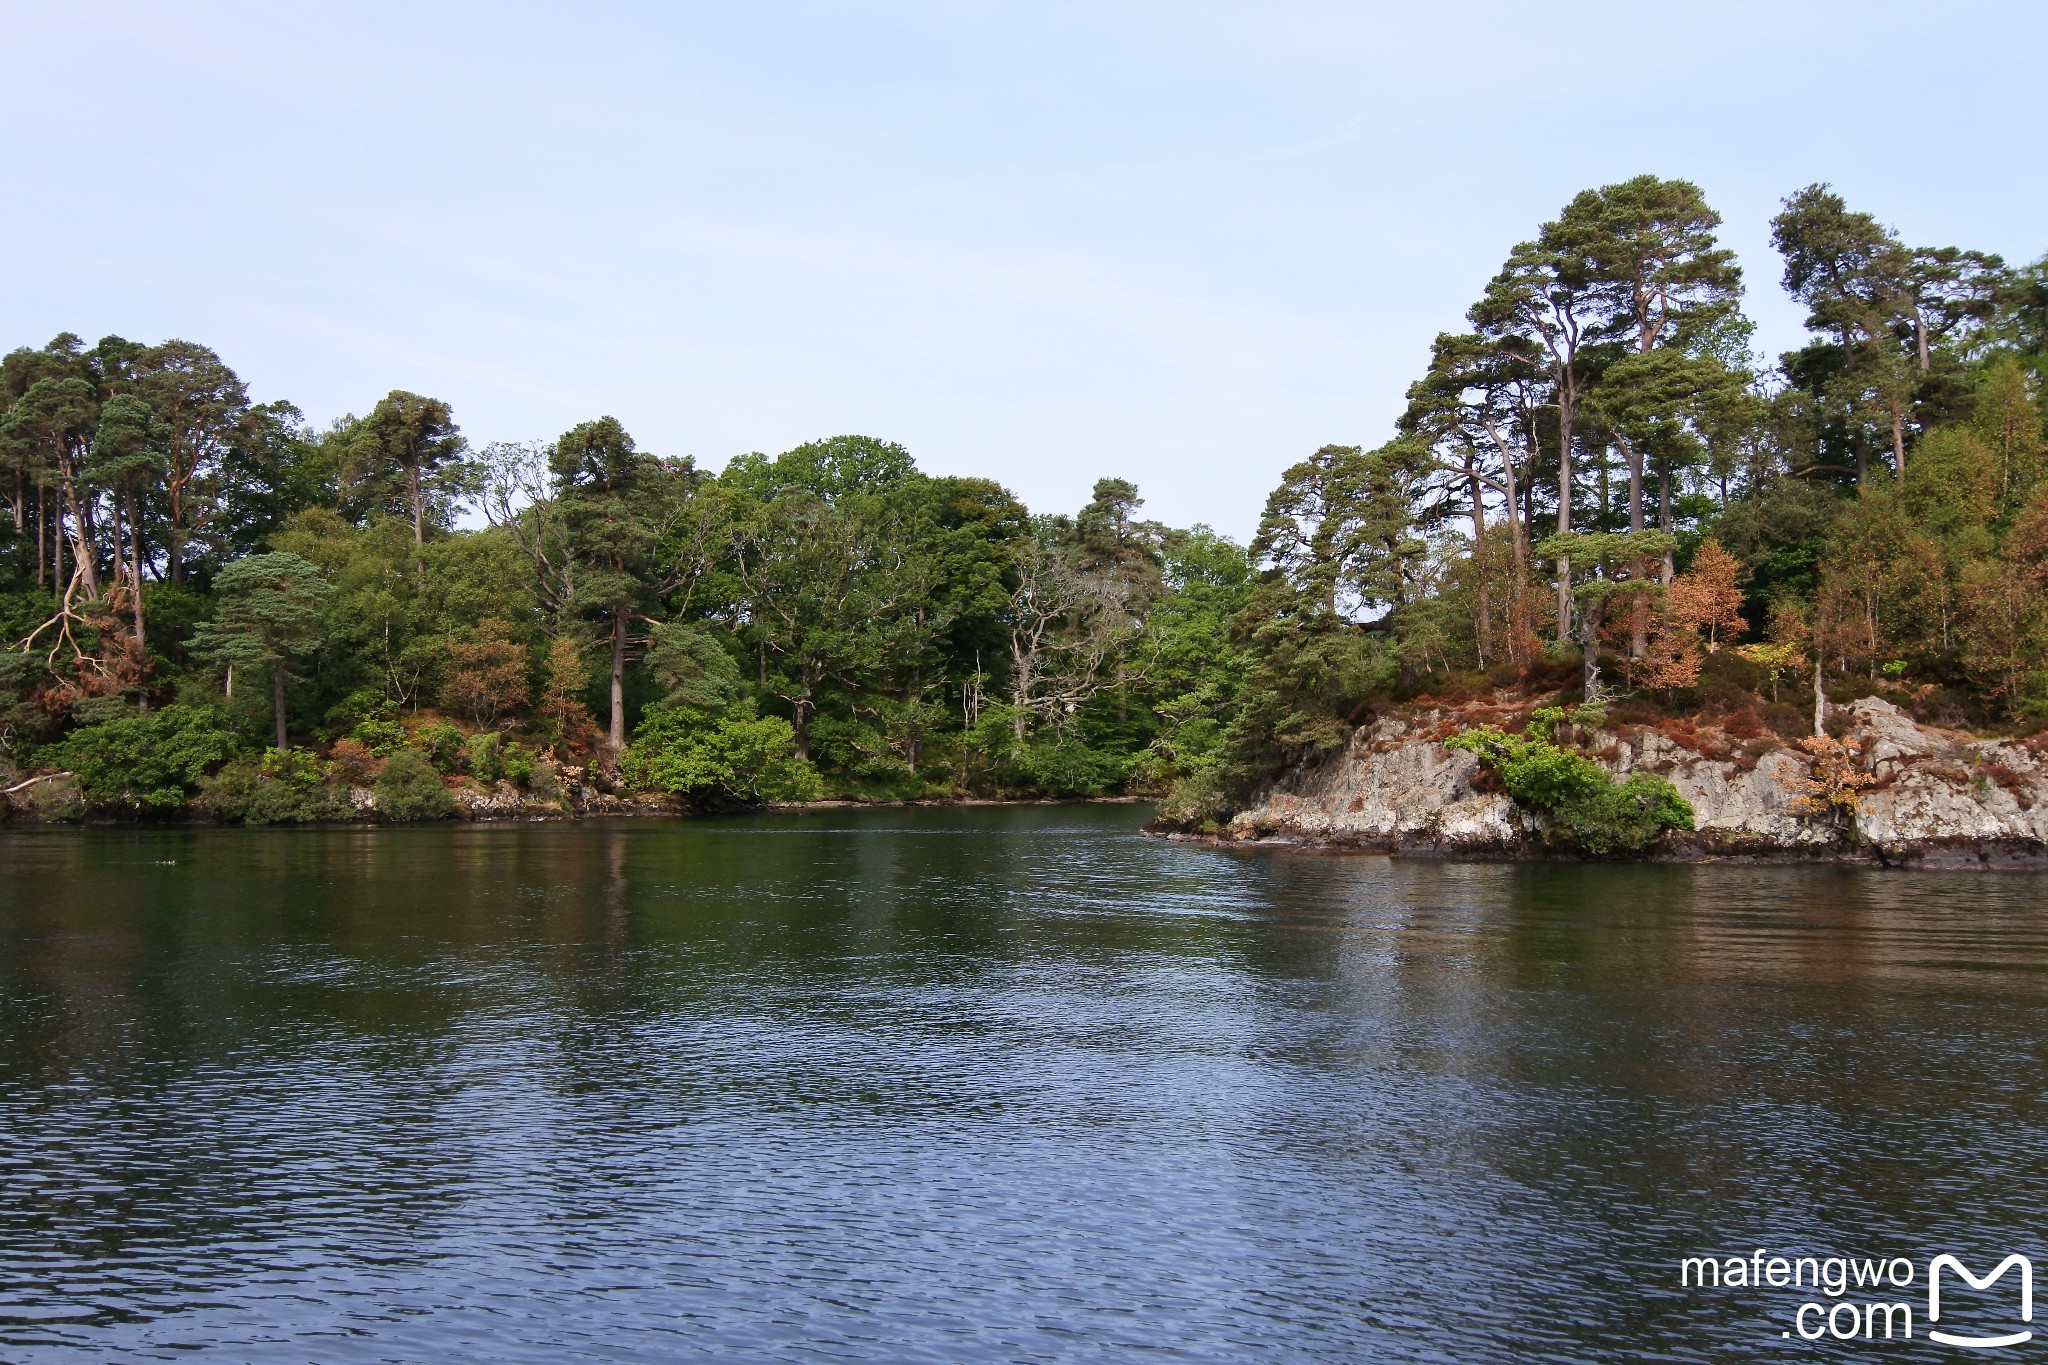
[[1959, 856], [493, 813]]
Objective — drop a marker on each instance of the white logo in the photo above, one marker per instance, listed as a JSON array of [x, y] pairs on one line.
[[1934, 1268]]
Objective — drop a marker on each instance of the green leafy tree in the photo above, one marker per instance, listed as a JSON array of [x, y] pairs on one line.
[[268, 615], [148, 762], [199, 407], [827, 575], [1479, 410], [687, 659], [1341, 531], [406, 458], [611, 532], [125, 461], [734, 756], [1544, 303]]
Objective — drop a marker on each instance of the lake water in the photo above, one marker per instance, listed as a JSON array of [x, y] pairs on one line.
[[979, 1084]]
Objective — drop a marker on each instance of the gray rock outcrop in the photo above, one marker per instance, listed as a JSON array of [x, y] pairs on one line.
[[1933, 798]]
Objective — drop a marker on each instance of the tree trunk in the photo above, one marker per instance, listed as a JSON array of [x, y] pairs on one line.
[[1638, 609], [1567, 403], [1820, 699], [277, 700], [1899, 443], [615, 738], [135, 571], [419, 508], [1479, 563], [1564, 525], [1664, 518], [913, 746], [1590, 613], [82, 551]]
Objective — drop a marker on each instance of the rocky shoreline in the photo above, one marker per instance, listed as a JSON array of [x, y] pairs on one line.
[[1932, 798], [52, 799]]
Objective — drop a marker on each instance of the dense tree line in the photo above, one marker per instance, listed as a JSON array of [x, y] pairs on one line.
[[1597, 486], [194, 574]]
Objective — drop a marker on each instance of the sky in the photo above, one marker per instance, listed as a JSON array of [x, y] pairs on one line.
[[1180, 243]]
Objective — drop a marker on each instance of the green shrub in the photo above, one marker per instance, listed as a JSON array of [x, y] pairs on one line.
[[365, 704], [736, 756], [410, 789], [484, 756], [442, 743], [542, 777], [1583, 807], [1063, 765], [147, 762], [382, 738], [519, 764], [1197, 800], [1052, 762], [280, 788]]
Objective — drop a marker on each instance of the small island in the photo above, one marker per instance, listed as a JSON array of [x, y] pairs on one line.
[[1614, 586]]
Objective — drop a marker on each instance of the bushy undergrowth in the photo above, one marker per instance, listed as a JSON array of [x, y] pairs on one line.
[[288, 787], [150, 762], [733, 756], [1583, 807], [410, 789]]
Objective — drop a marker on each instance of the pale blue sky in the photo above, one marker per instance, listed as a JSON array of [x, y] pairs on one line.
[[1181, 243]]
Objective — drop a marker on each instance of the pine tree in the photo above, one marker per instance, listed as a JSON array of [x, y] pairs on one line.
[[268, 615]]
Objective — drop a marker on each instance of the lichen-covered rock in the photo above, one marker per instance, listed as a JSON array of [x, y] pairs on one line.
[[1394, 786], [1934, 798]]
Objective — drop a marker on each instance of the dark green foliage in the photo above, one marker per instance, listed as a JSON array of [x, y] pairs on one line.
[[1583, 808], [153, 762], [443, 745], [687, 659], [1063, 765], [365, 703], [405, 460], [266, 616], [410, 789], [282, 787]]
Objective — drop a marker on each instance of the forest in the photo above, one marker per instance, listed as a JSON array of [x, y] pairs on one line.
[[1598, 492]]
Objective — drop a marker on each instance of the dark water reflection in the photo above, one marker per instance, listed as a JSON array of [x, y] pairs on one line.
[[980, 1084]]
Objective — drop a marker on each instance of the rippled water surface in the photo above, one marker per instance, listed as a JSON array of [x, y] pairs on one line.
[[997, 1083]]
